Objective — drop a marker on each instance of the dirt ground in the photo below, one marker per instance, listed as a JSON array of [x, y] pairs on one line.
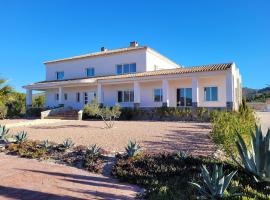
[[153, 136], [32, 180]]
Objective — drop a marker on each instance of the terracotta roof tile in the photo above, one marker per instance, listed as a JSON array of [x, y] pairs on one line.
[[101, 53], [193, 69]]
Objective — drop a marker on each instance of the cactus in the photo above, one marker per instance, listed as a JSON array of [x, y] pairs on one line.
[[21, 137], [132, 149], [93, 151], [3, 133], [256, 160], [215, 183], [68, 143]]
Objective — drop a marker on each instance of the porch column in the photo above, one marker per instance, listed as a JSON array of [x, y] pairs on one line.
[[60, 94], [229, 91], [137, 95], [28, 97], [165, 93], [195, 92], [99, 94]]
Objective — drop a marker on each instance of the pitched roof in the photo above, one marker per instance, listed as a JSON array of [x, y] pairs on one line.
[[192, 69], [101, 53]]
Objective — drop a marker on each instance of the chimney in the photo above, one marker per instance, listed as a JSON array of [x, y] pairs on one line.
[[133, 44], [103, 49]]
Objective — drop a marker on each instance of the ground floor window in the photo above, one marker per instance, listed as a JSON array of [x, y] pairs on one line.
[[65, 96], [78, 97], [210, 93], [158, 95], [184, 97], [125, 96], [57, 97], [85, 98]]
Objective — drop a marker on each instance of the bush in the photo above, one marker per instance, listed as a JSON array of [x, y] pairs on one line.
[[166, 113], [34, 112], [108, 115], [167, 176], [3, 110], [226, 124]]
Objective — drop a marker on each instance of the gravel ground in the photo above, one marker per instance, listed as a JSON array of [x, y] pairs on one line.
[[29, 179], [152, 135]]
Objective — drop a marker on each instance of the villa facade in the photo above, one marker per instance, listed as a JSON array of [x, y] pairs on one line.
[[137, 76]]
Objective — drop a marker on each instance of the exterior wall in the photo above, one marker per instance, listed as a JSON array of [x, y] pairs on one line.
[[110, 94], [147, 94], [153, 59], [50, 100], [104, 65], [220, 82]]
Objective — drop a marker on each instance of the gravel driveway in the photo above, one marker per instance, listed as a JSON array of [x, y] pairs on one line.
[[155, 136]]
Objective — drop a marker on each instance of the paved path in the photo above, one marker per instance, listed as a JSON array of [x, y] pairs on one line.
[[264, 118], [29, 179]]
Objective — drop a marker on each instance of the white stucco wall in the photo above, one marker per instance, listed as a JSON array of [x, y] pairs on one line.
[[153, 59], [50, 100], [104, 65], [214, 81]]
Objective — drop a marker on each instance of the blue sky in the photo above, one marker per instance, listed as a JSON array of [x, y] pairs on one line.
[[189, 32]]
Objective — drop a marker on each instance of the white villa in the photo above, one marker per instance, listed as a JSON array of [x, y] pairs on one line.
[[137, 76]]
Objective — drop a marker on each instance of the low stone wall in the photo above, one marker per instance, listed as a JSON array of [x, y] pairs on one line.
[[258, 106]]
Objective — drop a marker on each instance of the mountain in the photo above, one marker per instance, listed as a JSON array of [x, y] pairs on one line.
[[256, 95]]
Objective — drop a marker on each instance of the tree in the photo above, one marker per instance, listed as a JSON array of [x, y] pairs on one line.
[[108, 115], [39, 101], [5, 91]]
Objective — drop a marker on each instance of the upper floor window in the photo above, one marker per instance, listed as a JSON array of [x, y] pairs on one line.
[[59, 75], [158, 95], [126, 68], [90, 72], [210, 93], [125, 96]]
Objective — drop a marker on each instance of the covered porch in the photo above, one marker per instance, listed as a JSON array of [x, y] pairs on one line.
[[188, 90]]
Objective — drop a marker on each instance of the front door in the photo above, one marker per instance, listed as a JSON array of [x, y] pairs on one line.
[[88, 97], [184, 97]]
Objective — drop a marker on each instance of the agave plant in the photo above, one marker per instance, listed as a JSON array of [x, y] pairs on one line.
[[93, 151], [46, 144], [3, 133], [68, 143], [132, 149], [215, 183], [21, 137], [257, 159]]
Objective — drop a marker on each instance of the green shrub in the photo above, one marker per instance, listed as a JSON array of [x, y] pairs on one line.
[[215, 183], [92, 160], [226, 124], [21, 137], [34, 112], [108, 115], [256, 160], [3, 110]]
